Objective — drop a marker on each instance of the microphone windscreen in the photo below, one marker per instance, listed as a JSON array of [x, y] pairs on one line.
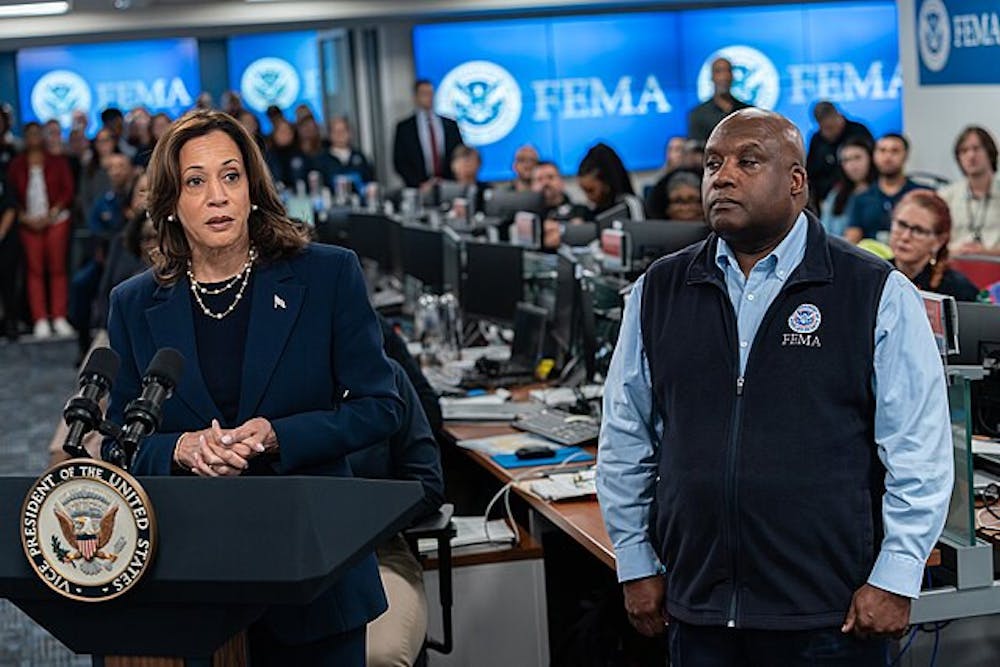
[[103, 362], [167, 366]]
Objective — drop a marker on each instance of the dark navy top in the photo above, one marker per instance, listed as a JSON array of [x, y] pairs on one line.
[[221, 345]]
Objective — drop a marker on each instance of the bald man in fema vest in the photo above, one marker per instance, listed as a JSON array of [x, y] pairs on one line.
[[775, 459]]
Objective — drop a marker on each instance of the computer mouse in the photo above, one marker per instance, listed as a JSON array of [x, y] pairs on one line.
[[535, 452]]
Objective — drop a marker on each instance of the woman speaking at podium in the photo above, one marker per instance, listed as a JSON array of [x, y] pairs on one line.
[[285, 370]]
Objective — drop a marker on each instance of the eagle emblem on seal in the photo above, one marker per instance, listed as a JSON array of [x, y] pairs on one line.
[[88, 536]]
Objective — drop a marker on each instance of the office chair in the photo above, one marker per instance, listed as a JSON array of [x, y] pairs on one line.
[[440, 527]]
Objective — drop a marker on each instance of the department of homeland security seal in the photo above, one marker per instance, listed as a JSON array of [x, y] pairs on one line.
[[806, 319], [88, 530]]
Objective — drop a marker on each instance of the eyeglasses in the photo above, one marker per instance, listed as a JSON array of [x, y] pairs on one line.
[[901, 227], [684, 201]]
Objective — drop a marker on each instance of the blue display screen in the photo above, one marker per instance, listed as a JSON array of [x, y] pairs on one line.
[[279, 69], [563, 84], [161, 75], [957, 41]]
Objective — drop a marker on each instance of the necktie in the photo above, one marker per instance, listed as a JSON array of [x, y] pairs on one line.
[[434, 147]]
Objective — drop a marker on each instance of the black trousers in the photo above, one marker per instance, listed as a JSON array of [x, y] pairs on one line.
[[343, 650], [10, 265], [699, 646]]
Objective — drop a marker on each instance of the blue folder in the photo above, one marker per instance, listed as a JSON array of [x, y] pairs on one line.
[[511, 460]]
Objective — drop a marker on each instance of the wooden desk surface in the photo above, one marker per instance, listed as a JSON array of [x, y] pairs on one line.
[[580, 519]]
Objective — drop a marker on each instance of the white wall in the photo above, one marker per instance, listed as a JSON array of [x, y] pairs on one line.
[[397, 77], [934, 115]]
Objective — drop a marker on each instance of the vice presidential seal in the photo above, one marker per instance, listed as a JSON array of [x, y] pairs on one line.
[[88, 530]]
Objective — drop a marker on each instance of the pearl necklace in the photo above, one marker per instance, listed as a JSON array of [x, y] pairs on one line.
[[197, 289]]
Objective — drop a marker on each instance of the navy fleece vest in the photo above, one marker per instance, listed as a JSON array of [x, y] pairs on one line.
[[768, 501]]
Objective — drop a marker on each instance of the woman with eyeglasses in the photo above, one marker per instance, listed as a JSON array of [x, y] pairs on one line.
[[920, 231]]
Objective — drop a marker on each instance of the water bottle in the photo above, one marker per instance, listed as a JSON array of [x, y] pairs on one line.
[[427, 327], [450, 316]]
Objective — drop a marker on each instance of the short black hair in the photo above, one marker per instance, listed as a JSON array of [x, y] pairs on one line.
[[421, 82], [823, 110], [896, 135], [547, 163], [111, 114]]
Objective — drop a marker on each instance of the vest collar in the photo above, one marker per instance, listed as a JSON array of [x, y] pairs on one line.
[[816, 265]]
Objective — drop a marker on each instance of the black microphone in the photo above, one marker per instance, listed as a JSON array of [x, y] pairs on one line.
[[83, 412], [142, 415]]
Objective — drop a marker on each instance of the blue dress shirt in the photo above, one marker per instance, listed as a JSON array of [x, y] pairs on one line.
[[912, 423]]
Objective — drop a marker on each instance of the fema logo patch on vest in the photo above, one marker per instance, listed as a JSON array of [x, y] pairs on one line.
[[804, 322], [88, 530], [483, 98]]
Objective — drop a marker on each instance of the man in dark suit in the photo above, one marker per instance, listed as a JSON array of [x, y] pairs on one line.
[[424, 142]]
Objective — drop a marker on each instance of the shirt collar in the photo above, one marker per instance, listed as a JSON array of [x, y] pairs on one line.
[[782, 260]]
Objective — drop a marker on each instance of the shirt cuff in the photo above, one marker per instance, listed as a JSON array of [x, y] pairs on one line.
[[897, 573], [637, 561]]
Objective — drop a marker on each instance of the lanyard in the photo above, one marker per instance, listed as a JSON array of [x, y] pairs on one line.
[[976, 226]]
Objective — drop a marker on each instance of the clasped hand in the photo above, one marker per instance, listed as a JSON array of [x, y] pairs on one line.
[[214, 452]]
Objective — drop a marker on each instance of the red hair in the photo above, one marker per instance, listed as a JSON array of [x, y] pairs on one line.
[[938, 208]]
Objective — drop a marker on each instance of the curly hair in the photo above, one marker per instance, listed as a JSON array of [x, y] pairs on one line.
[[274, 235]]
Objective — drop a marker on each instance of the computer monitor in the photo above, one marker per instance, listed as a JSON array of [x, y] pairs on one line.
[[432, 256], [979, 344], [579, 234], [505, 203], [377, 238], [978, 333], [651, 239], [529, 335], [451, 262], [617, 213], [493, 281], [563, 317], [423, 255], [448, 191]]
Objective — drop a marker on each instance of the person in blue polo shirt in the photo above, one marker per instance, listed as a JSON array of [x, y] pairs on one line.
[[775, 460], [870, 212]]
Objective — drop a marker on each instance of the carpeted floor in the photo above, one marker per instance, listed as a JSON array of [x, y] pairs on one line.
[[35, 381]]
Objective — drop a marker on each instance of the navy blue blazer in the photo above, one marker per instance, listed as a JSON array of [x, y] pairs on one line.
[[313, 366]]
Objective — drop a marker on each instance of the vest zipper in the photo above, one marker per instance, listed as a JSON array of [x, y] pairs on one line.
[[732, 501]]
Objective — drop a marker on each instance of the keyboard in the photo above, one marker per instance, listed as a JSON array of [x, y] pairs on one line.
[[559, 426], [501, 412]]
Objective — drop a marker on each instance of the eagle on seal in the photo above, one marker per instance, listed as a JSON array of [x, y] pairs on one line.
[[87, 536]]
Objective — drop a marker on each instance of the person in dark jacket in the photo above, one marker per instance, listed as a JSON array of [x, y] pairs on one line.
[[921, 229], [424, 142], [239, 291], [775, 459], [395, 637], [822, 164]]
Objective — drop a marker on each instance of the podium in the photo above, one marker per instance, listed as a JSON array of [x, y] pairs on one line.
[[227, 549]]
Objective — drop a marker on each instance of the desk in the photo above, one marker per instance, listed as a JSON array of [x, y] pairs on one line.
[[580, 519]]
